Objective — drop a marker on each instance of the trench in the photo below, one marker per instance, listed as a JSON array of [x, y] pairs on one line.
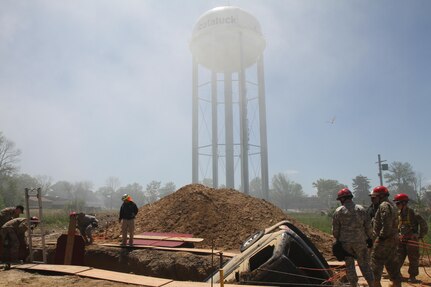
[[181, 266]]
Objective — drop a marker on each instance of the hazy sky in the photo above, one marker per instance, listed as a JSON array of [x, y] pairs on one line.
[[92, 89]]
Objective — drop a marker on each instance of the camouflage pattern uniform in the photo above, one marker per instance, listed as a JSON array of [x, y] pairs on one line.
[[351, 226], [371, 210], [7, 214], [85, 224], [385, 233], [14, 232], [411, 227]]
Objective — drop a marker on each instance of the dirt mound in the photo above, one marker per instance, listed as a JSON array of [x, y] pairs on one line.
[[224, 216]]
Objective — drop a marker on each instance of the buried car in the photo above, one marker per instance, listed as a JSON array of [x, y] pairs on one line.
[[277, 256]]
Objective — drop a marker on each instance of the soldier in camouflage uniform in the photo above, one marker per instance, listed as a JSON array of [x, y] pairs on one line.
[[372, 209], [412, 228], [86, 223], [351, 226], [9, 213], [385, 234], [13, 232]]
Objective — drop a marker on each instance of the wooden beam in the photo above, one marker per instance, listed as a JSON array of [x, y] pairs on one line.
[[145, 281], [191, 250], [70, 240], [167, 238], [125, 277]]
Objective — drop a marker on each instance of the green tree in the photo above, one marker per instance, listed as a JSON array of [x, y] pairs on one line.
[[13, 188], [256, 187], [167, 189], [361, 189], [112, 184], [82, 193], [9, 156], [401, 179], [62, 189], [45, 183], [104, 194], [327, 190], [285, 192], [152, 192]]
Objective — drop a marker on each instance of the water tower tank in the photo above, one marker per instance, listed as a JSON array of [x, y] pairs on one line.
[[226, 36]]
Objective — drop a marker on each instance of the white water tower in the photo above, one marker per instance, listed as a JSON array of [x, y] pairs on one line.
[[229, 111]]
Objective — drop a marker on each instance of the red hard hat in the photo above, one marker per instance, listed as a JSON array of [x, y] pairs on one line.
[[380, 190], [401, 197], [345, 192]]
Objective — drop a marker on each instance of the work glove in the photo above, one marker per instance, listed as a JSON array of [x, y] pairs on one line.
[[369, 242]]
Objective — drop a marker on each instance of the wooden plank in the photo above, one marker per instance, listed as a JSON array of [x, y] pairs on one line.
[[162, 243], [67, 269], [169, 238], [336, 263], [70, 240], [192, 250], [125, 277], [23, 266], [146, 281], [199, 284], [170, 234]]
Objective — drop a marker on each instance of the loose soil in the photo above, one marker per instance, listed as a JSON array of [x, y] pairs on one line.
[[223, 217]]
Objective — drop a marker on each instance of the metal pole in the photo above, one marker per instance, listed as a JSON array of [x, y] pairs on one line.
[[230, 170], [380, 169], [41, 225], [263, 134], [214, 124], [212, 260], [195, 113], [221, 270], [243, 123]]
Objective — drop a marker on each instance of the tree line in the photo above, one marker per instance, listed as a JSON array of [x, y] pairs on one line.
[[284, 192]]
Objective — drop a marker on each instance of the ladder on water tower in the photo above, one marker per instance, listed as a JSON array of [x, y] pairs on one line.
[[39, 231]]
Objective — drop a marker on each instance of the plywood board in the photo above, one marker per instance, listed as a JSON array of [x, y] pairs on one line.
[[161, 243], [23, 266], [124, 277], [67, 269], [192, 250], [199, 284], [170, 234], [169, 238]]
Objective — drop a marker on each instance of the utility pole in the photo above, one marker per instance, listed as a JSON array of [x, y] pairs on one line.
[[381, 167]]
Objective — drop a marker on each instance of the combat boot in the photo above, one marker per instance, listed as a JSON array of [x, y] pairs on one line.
[[394, 283]]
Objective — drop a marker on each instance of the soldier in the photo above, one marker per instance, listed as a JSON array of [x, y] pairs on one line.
[[372, 209], [13, 234], [86, 224], [9, 213], [351, 226], [412, 228], [385, 234]]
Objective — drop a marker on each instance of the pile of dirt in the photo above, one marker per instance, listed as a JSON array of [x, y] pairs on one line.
[[223, 216]]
